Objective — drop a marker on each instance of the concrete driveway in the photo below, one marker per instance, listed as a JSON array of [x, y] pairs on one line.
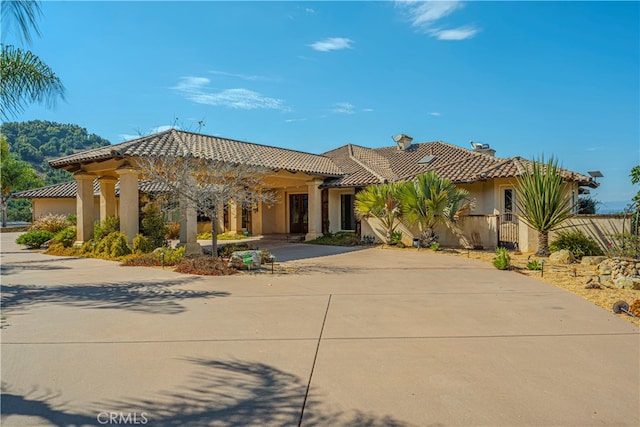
[[366, 338]]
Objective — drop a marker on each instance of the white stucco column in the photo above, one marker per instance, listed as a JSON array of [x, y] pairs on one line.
[[235, 218], [315, 209], [189, 228], [107, 197], [84, 207], [129, 201]]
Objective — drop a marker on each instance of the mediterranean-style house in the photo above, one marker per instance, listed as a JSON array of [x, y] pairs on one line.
[[315, 193]]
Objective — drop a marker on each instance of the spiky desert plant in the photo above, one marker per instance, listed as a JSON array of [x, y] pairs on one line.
[[381, 201], [543, 199]]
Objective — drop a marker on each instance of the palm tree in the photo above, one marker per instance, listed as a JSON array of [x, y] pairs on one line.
[[431, 200], [380, 201], [25, 77], [543, 200], [15, 174]]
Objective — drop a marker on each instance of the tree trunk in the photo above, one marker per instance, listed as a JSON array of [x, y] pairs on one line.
[[543, 243], [214, 237], [4, 211]]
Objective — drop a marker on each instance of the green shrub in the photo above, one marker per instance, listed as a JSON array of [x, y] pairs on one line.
[[341, 238], [396, 237], [142, 245], [34, 239], [113, 245], [50, 222], [224, 236], [141, 260], [88, 247], [110, 225], [534, 265], [205, 265], [66, 237], [60, 250], [577, 243], [435, 247], [226, 250], [623, 245], [171, 256], [153, 226], [205, 235], [72, 219], [502, 261]]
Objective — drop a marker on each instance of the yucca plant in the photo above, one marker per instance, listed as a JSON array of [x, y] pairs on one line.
[[543, 200], [381, 201], [431, 200]]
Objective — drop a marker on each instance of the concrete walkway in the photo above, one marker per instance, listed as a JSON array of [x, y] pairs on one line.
[[366, 338]]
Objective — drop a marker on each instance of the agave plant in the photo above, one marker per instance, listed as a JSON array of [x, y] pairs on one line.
[[381, 201], [431, 200], [543, 200]]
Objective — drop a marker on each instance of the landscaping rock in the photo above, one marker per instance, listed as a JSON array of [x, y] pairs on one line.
[[563, 256], [592, 260], [623, 282], [245, 259]]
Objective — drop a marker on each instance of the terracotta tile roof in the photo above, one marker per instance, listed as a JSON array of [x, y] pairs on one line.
[[68, 190], [456, 163], [180, 143]]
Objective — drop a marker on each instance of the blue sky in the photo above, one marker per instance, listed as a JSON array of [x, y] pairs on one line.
[[528, 78]]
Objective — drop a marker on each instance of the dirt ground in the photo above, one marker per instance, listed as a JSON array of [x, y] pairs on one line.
[[572, 277]]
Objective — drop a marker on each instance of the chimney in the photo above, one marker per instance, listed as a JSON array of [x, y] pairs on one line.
[[403, 141], [479, 147]]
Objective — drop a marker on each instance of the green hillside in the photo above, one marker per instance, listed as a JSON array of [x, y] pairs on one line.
[[37, 141]]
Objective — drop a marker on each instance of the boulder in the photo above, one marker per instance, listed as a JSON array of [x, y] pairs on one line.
[[592, 260], [245, 259], [563, 256], [624, 282]]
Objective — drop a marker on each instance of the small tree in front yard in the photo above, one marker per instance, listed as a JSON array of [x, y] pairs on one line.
[[381, 201], [544, 200], [430, 200], [206, 185]]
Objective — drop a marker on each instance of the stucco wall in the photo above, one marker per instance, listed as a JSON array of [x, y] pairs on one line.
[[598, 227], [67, 206], [476, 230]]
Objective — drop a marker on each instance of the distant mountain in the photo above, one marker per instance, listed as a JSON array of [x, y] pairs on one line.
[[37, 141]]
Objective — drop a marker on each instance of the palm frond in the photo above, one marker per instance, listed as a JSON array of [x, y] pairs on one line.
[[25, 79]]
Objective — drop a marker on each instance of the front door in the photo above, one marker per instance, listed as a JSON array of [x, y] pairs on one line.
[[298, 213]]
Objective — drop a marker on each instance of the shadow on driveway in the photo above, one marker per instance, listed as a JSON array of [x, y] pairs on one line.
[[157, 297], [231, 393]]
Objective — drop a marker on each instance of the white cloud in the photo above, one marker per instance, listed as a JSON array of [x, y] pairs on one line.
[[460, 33], [424, 15], [196, 89], [309, 10], [367, 110], [332, 43], [343, 108], [295, 120], [435, 114], [249, 77]]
